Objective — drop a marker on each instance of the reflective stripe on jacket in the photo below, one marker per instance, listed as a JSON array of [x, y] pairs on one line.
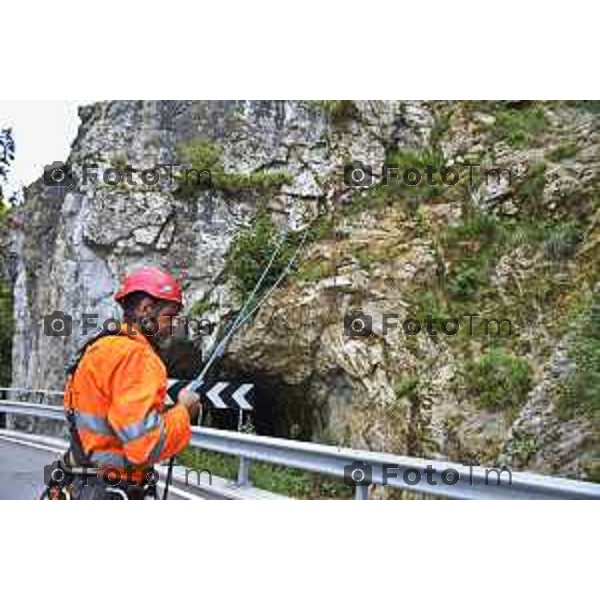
[[118, 394]]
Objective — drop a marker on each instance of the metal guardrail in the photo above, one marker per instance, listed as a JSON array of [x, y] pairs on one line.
[[4, 391], [472, 483], [45, 411], [401, 472]]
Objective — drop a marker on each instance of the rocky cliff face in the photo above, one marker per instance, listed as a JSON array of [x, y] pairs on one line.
[[522, 248]]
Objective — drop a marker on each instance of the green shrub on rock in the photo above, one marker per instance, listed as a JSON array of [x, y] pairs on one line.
[[520, 127], [251, 251], [581, 388], [563, 241], [204, 156], [498, 381]]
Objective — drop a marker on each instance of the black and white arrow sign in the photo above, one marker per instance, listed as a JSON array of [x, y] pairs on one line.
[[222, 394], [240, 396], [213, 394]]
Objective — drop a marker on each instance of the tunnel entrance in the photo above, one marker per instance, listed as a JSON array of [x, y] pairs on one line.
[[280, 409]]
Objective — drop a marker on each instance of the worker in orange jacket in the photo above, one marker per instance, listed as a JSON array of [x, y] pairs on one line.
[[115, 395]]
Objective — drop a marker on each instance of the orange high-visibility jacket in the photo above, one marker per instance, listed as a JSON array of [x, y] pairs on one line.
[[118, 394]]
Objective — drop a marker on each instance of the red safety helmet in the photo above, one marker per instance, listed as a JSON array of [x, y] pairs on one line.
[[156, 283]]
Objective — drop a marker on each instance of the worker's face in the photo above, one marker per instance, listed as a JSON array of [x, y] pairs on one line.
[[158, 316]]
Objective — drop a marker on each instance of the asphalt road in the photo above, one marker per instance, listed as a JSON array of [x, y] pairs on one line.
[[22, 471]]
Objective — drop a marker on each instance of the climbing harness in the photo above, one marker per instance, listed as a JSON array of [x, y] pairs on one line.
[[76, 464]]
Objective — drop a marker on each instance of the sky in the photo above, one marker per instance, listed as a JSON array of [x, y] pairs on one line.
[[43, 132]]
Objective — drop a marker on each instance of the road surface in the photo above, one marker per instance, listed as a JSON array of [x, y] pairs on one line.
[[23, 457], [22, 470]]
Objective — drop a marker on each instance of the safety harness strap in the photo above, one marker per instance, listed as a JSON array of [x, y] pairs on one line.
[[82, 458]]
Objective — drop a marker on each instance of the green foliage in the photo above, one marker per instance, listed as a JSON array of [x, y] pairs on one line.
[[441, 126], [562, 242], [520, 126], [368, 256], [429, 303], [315, 271], [297, 483], [562, 152], [220, 465], [523, 447], [480, 238], [581, 388], [362, 200], [6, 333], [475, 225], [201, 307], [531, 191], [533, 184], [321, 228], [251, 251], [406, 159], [4, 210], [483, 106], [280, 480], [406, 387], [593, 471], [396, 191], [120, 162], [522, 233], [558, 240], [420, 222], [430, 157], [339, 111], [474, 245], [499, 381], [465, 281], [205, 155]]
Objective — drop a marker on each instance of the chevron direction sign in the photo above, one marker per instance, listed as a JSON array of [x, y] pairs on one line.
[[222, 394]]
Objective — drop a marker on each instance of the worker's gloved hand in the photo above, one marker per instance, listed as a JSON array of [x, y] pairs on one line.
[[191, 401]]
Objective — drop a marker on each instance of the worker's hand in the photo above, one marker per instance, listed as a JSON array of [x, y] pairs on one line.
[[191, 401]]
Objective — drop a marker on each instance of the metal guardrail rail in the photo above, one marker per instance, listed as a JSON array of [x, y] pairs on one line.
[[45, 411], [16, 390], [402, 472], [472, 483]]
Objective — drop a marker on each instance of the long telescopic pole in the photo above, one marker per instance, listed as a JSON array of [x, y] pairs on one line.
[[241, 318]]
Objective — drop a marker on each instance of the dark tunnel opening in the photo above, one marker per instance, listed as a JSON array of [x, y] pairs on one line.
[[279, 409]]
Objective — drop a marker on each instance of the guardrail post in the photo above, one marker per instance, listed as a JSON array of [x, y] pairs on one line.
[[243, 477], [3, 396], [361, 492]]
